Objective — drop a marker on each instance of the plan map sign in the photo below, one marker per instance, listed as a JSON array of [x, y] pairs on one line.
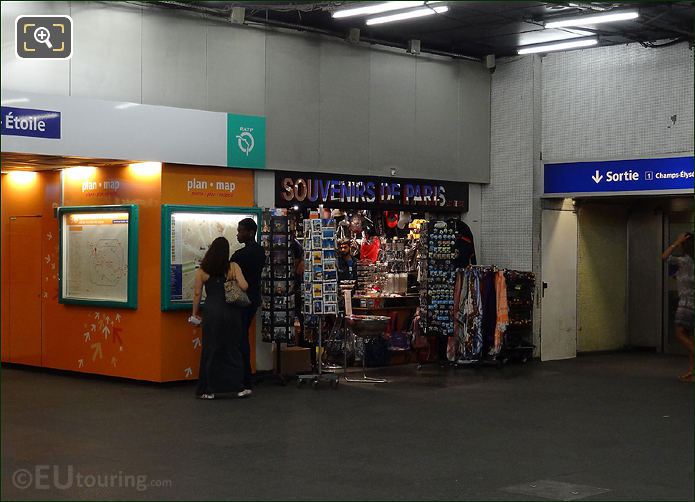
[[191, 235], [95, 260]]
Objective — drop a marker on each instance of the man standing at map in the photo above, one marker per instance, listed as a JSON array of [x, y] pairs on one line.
[[250, 259]]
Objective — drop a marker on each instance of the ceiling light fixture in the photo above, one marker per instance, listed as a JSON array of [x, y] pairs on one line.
[[411, 14], [15, 100], [22, 178], [585, 42], [593, 19], [375, 9], [79, 173]]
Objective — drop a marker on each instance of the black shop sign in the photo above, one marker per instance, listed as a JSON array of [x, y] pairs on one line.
[[368, 192]]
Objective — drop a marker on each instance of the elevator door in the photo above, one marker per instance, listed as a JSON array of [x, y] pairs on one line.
[[644, 307], [25, 290]]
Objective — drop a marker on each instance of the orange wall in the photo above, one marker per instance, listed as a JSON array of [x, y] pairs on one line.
[[145, 343], [180, 341], [35, 198], [4, 258], [112, 341]]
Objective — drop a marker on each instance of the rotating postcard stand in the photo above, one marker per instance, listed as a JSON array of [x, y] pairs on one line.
[[277, 286], [320, 286]]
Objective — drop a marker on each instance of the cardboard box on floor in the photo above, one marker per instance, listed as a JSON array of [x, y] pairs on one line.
[[293, 360]]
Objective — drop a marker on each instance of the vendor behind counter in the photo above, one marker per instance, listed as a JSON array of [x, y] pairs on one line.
[[346, 263]]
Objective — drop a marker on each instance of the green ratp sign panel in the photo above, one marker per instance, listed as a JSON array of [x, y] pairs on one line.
[[245, 141]]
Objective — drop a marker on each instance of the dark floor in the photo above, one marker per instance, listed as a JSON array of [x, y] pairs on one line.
[[623, 423]]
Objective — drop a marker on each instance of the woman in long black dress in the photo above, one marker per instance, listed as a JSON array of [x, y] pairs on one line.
[[221, 365]]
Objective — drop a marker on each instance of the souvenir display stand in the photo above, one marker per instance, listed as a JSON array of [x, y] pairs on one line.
[[320, 286], [277, 286]]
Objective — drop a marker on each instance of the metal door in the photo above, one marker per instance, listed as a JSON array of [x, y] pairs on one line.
[[644, 271], [559, 276]]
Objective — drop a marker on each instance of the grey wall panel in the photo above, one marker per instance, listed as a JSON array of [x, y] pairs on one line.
[[474, 122], [236, 69], [392, 114], [292, 104], [344, 109], [111, 68], [173, 60], [329, 106], [436, 118], [46, 77]]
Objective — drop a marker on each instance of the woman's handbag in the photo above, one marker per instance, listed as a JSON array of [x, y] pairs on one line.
[[234, 295]]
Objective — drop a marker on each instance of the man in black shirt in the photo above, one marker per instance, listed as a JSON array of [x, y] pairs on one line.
[[250, 259], [346, 263]]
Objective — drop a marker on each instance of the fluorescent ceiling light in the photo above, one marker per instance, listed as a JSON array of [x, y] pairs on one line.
[[16, 100], [411, 14], [585, 42], [547, 36], [375, 9], [123, 106], [593, 19]]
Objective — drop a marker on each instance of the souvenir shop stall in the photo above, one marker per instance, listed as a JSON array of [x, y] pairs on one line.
[[370, 272], [356, 248]]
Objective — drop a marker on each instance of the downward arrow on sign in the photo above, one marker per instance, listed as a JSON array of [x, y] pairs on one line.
[[196, 343], [597, 177], [80, 362], [188, 371], [87, 336]]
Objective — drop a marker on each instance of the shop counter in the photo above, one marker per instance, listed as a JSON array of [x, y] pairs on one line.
[[403, 302], [401, 309]]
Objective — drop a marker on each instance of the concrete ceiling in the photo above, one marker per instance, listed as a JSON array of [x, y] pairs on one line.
[[468, 29]]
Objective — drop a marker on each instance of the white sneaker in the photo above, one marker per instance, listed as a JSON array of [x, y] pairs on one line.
[[245, 393]]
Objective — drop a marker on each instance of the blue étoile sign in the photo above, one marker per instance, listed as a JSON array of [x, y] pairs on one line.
[[667, 174], [30, 122]]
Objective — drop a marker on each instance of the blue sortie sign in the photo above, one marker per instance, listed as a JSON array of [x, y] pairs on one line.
[[643, 175], [30, 122]]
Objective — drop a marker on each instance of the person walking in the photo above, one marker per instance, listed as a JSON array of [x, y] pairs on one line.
[[684, 282], [221, 364], [250, 259]]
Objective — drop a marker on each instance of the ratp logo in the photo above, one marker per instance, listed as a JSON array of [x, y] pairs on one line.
[[245, 140], [43, 37]]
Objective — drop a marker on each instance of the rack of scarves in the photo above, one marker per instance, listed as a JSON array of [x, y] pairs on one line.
[[493, 315]]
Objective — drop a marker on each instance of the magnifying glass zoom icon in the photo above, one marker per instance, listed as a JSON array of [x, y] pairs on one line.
[[43, 36]]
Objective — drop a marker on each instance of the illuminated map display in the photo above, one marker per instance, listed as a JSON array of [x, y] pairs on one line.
[[191, 235], [95, 256]]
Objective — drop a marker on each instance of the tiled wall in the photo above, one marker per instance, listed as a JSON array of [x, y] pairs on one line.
[[596, 104], [507, 202], [617, 102]]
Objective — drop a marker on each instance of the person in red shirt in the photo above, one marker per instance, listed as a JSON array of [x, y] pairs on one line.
[[369, 250]]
